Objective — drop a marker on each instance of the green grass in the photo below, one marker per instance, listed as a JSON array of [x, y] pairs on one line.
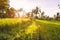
[[27, 29], [49, 30]]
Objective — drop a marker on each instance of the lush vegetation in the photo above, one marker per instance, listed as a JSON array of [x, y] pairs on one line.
[[29, 26], [29, 29]]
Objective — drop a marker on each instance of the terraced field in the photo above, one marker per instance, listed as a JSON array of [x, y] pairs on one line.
[[27, 29]]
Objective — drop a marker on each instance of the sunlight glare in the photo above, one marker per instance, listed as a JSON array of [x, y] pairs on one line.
[[27, 6], [31, 28]]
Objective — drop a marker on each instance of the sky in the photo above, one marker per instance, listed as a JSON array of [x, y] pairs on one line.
[[50, 7]]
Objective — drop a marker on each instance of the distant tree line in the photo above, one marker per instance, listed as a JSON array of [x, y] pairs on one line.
[[9, 12]]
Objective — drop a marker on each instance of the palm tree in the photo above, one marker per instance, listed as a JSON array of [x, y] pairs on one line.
[[32, 13], [12, 12], [35, 11], [42, 15], [39, 13]]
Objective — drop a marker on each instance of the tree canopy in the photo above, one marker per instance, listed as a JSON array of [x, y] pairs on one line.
[[4, 5]]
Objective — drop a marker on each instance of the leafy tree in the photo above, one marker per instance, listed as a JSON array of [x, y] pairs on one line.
[[58, 16], [57, 13], [11, 12], [4, 5], [21, 9], [28, 14]]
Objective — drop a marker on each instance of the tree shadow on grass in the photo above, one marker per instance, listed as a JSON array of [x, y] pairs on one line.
[[10, 31]]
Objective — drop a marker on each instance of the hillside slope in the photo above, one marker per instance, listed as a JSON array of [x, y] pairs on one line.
[[27, 29]]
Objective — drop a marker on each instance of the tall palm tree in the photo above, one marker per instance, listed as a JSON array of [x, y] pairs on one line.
[[42, 14], [35, 11]]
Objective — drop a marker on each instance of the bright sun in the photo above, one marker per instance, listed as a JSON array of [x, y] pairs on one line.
[[28, 5], [17, 4]]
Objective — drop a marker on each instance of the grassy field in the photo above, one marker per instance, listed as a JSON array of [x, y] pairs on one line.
[[27, 29]]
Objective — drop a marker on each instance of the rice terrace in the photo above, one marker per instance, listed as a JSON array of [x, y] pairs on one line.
[[27, 29], [29, 19]]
